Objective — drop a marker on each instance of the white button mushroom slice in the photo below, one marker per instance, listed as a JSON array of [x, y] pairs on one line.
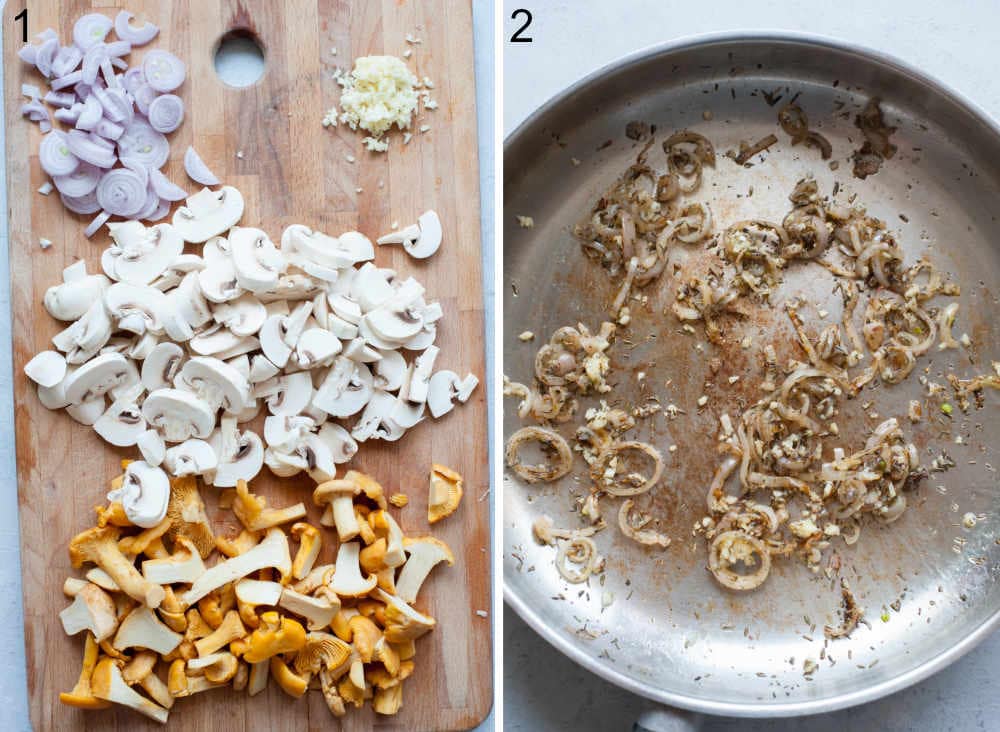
[[242, 364], [122, 423], [405, 236], [357, 245], [394, 325], [423, 339], [178, 414], [315, 246], [258, 262], [47, 368], [75, 271], [130, 384], [86, 413], [86, 336], [466, 386], [286, 395], [345, 308], [308, 453], [247, 344], [277, 307], [145, 253], [420, 382], [188, 300], [218, 280], [208, 213], [136, 308], [430, 236], [97, 377], [358, 350], [342, 446], [293, 286], [243, 315], [343, 284], [183, 265], [241, 454], [109, 262], [141, 346], [249, 412], [216, 382], [406, 414], [283, 465], [162, 365], [191, 457], [316, 347], [320, 309], [75, 295], [432, 313], [214, 339], [271, 552], [346, 389], [175, 326], [261, 369], [151, 447], [318, 416], [340, 327], [54, 397], [283, 433], [375, 415], [441, 393], [389, 370], [365, 332], [119, 344], [144, 494], [369, 289], [295, 323], [272, 341]]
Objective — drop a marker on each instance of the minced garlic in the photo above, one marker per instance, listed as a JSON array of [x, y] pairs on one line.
[[377, 94]]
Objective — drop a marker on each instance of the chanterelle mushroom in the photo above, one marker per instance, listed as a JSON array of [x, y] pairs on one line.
[[424, 553], [445, 493], [142, 629], [92, 609], [99, 545], [82, 696], [347, 579], [271, 552], [186, 512], [208, 213], [107, 683], [144, 494]]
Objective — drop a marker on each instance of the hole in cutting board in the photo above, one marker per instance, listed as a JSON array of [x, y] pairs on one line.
[[239, 59]]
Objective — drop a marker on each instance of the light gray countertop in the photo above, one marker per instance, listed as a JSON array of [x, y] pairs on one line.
[[13, 683], [542, 689]]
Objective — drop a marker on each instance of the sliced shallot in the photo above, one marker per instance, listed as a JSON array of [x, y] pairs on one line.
[[164, 71], [166, 113], [144, 96], [71, 79], [96, 224], [165, 188], [66, 60], [80, 182], [109, 130], [61, 99], [133, 79], [161, 210], [136, 36], [143, 144], [85, 204], [547, 438], [90, 30], [116, 104], [90, 115], [54, 154], [121, 192], [45, 55], [197, 170], [87, 149]]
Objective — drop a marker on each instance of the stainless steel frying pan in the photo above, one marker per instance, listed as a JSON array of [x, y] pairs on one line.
[[928, 584]]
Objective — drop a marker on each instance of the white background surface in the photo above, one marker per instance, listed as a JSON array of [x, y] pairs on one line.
[[955, 41], [13, 684]]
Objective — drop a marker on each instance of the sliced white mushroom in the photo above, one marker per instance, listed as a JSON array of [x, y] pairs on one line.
[[218, 279], [54, 397], [78, 291], [316, 347], [191, 457], [151, 447], [388, 371], [302, 451], [86, 336], [378, 343], [340, 327], [141, 346], [189, 302], [430, 236], [178, 414], [144, 494], [257, 261], [143, 254], [375, 416], [423, 339], [216, 382], [420, 381], [295, 323], [406, 414], [345, 308], [369, 289], [97, 377], [247, 344], [283, 433], [441, 393], [242, 365], [286, 395], [466, 386], [346, 389], [122, 424], [293, 286], [298, 241], [342, 446], [357, 245], [183, 265], [240, 454], [261, 368], [162, 365], [208, 213], [250, 411], [47, 368], [272, 341], [243, 316], [136, 308], [214, 340], [405, 236], [358, 350], [86, 413]]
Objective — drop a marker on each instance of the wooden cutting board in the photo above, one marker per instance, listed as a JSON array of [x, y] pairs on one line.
[[290, 170]]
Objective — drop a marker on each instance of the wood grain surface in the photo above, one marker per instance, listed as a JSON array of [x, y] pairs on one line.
[[291, 170]]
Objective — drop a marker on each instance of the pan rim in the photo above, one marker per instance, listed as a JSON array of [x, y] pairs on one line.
[[572, 650]]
